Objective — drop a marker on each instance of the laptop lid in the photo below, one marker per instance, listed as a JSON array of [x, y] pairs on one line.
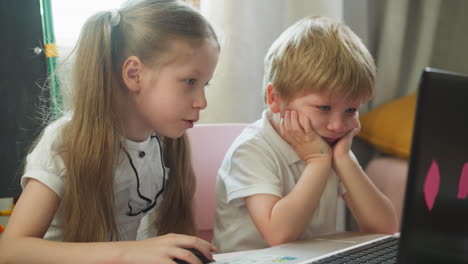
[[435, 217]]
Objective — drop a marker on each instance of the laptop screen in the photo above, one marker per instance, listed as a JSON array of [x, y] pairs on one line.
[[435, 218]]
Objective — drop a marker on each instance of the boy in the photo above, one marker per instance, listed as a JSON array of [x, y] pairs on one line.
[[281, 178]]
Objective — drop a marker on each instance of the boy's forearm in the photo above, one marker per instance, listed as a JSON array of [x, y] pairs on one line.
[[291, 215], [372, 209]]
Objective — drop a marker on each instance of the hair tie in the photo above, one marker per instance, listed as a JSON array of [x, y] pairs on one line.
[[115, 17]]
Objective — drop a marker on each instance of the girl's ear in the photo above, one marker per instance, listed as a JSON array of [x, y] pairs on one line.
[[273, 99], [131, 71]]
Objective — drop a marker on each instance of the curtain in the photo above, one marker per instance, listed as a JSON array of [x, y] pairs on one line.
[[404, 37], [417, 34], [246, 29]]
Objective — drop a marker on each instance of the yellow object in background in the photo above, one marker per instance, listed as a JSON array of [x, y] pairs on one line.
[[389, 128], [7, 212]]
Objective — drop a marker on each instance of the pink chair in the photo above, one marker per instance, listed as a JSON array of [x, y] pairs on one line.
[[209, 143]]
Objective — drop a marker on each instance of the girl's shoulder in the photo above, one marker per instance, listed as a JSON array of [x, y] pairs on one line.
[[50, 139], [54, 129], [44, 162]]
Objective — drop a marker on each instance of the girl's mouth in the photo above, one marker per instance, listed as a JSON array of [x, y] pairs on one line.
[[189, 123]]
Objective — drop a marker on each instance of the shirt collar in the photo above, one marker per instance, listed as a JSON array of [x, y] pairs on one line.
[[137, 145]]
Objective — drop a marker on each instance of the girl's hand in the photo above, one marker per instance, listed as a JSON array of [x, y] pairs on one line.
[[343, 145], [297, 131], [164, 249]]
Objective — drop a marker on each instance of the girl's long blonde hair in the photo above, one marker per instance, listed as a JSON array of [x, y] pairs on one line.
[[92, 139]]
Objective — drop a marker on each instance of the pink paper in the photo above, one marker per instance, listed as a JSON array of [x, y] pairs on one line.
[[463, 184], [431, 185]]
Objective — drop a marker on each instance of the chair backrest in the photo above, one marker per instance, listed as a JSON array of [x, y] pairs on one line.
[[209, 143]]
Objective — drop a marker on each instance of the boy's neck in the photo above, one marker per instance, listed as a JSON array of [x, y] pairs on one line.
[[275, 121]]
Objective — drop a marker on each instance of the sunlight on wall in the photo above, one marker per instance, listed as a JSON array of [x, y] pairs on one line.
[[69, 17]]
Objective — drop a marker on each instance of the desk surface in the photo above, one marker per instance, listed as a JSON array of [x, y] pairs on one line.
[[314, 247]]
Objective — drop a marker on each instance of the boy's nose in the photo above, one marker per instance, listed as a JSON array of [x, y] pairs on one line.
[[336, 124]]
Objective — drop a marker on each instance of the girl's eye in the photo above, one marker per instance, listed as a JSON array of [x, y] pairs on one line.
[[190, 81], [351, 110], [324, 107]]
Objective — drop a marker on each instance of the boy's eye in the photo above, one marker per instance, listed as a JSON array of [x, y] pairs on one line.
[[324, 107], [351, 110], [190, 81]]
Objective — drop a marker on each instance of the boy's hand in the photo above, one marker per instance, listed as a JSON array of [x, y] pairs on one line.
[[297, 131], [343, 145]]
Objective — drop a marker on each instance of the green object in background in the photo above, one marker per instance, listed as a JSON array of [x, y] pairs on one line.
[[51, 57]]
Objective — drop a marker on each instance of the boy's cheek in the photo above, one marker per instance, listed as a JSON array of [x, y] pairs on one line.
[[354, 122]]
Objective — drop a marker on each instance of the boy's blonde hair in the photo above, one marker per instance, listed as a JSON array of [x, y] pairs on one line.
[[319, 54], [92, 140]]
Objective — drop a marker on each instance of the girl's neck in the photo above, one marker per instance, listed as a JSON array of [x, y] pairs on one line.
[[133, 132], [133, 129]]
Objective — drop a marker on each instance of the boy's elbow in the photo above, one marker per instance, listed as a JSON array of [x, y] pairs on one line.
[[387, 228], [279, 238], [390, 229]]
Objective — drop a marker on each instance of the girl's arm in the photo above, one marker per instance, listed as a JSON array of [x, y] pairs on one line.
[[372, 210], [22, 241], [282, 220]]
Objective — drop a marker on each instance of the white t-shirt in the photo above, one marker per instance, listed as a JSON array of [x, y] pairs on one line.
[[260, 161], [138, 184]]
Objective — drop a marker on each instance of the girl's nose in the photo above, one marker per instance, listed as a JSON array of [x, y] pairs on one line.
[[200, 101]]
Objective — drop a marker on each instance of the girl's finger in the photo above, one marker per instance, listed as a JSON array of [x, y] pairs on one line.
[[203, 246], [185, 255]]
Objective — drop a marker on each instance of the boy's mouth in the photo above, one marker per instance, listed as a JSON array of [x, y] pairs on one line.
[[330, 141]]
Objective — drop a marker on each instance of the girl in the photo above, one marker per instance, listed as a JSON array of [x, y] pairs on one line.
[[139, 79]]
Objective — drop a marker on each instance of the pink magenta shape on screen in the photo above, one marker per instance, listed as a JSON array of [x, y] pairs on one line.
[[431, 185], [463, 184]]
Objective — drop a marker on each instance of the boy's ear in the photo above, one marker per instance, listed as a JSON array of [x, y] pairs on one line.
[[131, 71], [273, 99]]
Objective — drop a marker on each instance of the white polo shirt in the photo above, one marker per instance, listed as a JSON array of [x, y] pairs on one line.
[[138, 184], [260, 161]]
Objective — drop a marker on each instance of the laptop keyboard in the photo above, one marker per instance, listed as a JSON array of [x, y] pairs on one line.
[[382, 251]]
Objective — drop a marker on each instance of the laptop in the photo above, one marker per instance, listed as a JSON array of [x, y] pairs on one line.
[[435, 216]]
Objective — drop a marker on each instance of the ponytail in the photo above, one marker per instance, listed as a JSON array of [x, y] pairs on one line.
[[91, 139]]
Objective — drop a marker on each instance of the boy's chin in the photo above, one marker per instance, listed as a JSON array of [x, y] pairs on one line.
[[331, 143]]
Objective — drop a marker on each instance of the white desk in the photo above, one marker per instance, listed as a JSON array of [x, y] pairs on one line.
[[312, 247]]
